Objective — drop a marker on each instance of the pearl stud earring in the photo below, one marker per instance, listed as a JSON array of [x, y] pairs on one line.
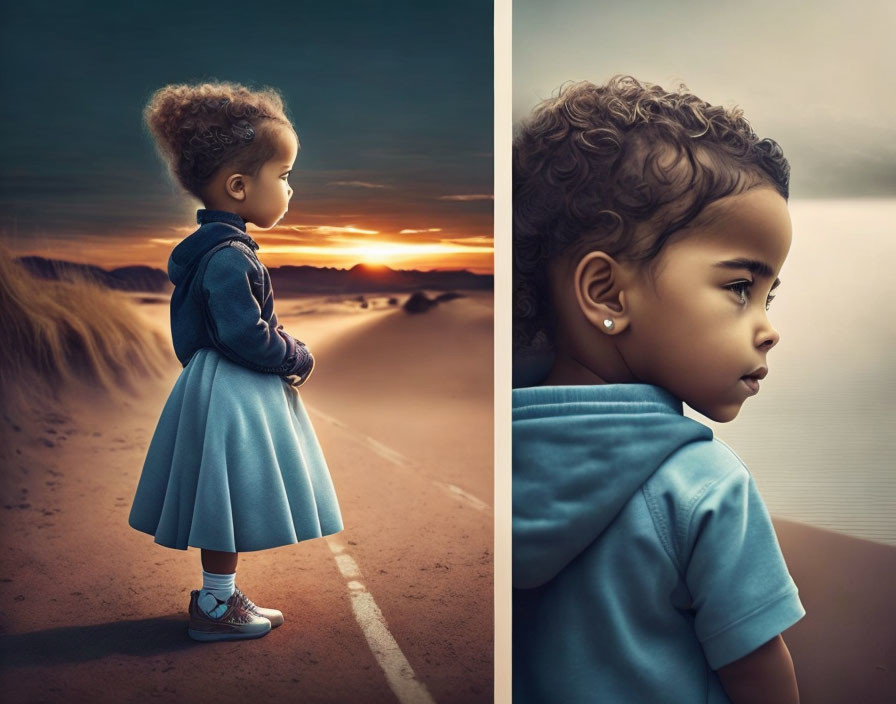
[[609, 324]]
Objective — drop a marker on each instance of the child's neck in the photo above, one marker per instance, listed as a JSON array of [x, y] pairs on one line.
[[225, 206], [570, 372]]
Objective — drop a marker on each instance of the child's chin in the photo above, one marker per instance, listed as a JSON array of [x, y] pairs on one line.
[[721, 413]]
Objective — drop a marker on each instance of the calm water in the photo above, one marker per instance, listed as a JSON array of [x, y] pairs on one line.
[[820, 438]]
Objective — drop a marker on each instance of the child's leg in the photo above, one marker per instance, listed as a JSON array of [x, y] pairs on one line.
[[219, 562], [218, 575]]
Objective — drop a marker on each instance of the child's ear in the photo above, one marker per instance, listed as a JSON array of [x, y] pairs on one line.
[[598, 284], [235, 185]]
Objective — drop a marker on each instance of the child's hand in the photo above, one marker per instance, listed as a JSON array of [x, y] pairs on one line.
[[304, 371], [292, 383], [296, 380], [302, 361]]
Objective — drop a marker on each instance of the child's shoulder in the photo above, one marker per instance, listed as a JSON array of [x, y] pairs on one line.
[[238, 246], [702, 463], [701, 477], [232, 254]]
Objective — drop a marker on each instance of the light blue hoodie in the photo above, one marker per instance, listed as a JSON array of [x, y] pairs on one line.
[[643, 556]]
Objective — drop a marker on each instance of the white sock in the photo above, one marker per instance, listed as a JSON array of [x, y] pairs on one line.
[[216, 590]]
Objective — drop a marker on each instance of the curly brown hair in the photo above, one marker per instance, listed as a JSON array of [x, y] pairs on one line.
[[620, 168], [200, 128]]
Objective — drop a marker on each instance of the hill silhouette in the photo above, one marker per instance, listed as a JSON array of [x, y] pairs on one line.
[[127, 278], [287, 280]]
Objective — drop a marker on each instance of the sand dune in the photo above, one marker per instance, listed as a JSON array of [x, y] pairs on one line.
[[65, 334], [95, 611]]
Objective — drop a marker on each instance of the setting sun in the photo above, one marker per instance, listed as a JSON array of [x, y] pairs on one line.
[[374, 253], [470, 253]]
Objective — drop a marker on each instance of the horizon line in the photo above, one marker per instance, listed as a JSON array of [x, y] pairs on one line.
[[280, 266]]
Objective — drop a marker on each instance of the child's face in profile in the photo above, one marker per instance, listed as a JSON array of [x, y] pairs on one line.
[[700, 327], [268, 193]]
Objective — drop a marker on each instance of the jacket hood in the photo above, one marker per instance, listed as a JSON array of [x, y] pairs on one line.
[[215, 226], [579, 454]]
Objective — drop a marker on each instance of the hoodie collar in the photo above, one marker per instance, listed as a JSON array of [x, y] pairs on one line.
[[203, 216], [637, 398], [216, 226]]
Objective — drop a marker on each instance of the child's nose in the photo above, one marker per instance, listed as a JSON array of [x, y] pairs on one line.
[[768, 337]]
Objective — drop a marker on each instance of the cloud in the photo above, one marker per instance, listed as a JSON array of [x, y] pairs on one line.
[[414, 232], [323, 235], [477, 241], [377, 250], [271, 235], [469, 197], [357, 184], [332, 230]]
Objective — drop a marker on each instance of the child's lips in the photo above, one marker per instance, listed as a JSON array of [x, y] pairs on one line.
[[751, 380], [751, 383]]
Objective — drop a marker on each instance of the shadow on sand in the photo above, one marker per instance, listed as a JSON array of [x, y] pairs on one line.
[[74, 644]]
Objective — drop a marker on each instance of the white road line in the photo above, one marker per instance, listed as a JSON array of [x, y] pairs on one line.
[[347, 566], [401, 678], [399, 460], [387, 453], [466, 496]]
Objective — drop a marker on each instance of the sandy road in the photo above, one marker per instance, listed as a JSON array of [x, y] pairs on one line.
[[91, 610]]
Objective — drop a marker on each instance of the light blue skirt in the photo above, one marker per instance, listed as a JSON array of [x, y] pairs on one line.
[[234, 464]]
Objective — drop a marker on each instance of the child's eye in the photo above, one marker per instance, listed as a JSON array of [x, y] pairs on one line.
[[741, 289]]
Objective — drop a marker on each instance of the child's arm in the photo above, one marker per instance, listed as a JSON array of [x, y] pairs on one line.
[[764, 676], [741, 592], [239, 328]]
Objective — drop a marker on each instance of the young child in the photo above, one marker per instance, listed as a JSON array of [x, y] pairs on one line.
[[649, 229], [234, 464]]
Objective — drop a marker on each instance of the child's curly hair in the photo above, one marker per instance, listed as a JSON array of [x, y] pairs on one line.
[[620, 168], [199, 128]]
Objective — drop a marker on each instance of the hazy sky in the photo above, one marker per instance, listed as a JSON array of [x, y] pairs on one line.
[[392, 102], [818, 77]]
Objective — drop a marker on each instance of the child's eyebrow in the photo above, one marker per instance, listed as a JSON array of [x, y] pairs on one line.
[[754, 266]]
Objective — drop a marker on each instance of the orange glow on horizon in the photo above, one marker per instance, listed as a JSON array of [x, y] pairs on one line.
[[377, 251], [343, 253]]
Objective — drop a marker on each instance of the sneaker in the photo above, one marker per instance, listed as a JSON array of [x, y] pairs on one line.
[[235, 623], [272, 615]]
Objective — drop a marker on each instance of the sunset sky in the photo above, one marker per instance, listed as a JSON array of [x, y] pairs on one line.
[[392, 102]]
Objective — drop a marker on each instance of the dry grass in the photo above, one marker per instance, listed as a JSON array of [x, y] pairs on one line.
[[60, 334]]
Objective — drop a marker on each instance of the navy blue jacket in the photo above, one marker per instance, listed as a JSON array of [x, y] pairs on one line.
[[231, 309]]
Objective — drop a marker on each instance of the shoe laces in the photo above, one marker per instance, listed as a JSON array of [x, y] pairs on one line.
[[247, 602]]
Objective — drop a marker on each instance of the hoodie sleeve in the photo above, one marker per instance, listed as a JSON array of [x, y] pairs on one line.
[[742, 593], [236, 321], [302, 361]]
